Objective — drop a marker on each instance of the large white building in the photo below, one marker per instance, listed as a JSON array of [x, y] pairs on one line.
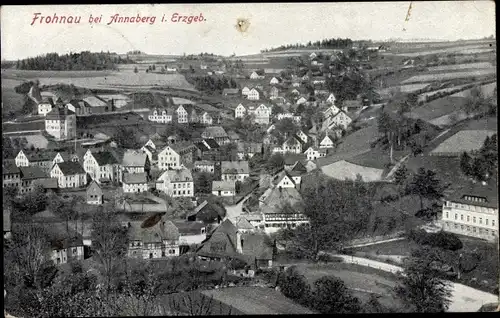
[[160, 115], [176, 183], [60, 122], [472, 211], [102, 166], [69, 175]]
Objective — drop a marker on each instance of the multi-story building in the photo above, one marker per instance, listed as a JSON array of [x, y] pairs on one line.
[[60, 123], [94, 194], [135, 182], [161, 115], [472, 211], [175, 155], [41, 159], [157, 241], [248, 149], [204, 166], [176, 183], [234, 170], [69, 175], [314, 153], [217, 133], [182, 115], [255, 94], [11, 175], [102, 166], [45, 106], [135, 161]]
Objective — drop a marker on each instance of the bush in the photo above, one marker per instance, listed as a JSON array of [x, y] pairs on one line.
[[294, 285], [441, 239], [331, 296]]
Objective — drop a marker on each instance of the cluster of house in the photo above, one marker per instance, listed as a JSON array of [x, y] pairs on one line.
[[183, 114]]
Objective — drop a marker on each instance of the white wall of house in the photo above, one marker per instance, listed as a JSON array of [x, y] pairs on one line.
[[168, 158], [44, 108], [225, 193], [234, 177], [21, 160], [135, 187], [471, 220]]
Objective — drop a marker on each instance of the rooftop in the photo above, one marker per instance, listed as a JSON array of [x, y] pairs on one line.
[[234, 167], [135, 178], [223, 186], [70, 168]]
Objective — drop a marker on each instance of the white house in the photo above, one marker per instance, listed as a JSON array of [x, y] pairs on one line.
[[60, 123], [204, 166], [340, 120], [331, 111], [160, 115], [234, 170], [302, 136], [274, 81], [294, 118], [206, 119], [245, 91], [262, 114], [44, 107], [135, 182], [331, 99], [240, 111], [176, 183], [256, 76], [327, 142], [69, 175], [102, 166], [182, 115], [313, 56], [472, 211], [292, 145], [160, 240], [314, 153], [274, 93], [223, 188], [255, 94]]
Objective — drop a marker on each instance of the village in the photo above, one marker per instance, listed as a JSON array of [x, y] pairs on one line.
[[332, 161]]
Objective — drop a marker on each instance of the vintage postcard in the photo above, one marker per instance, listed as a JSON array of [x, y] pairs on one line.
[[249, 158]]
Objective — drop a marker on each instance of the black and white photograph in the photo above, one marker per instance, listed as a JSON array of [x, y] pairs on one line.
[[249, 158]]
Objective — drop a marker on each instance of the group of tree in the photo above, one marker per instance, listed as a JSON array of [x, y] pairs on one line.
[[284, 129], [322, 44], [338, 211], [329, 294], [84, 60], [125, 137], [482, 165], [444, 240], [210, 84]]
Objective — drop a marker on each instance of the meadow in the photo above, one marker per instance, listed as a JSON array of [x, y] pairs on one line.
[[430, 77], [479, 65]]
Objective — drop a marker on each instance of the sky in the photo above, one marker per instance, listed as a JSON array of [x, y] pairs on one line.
[[270, 25]]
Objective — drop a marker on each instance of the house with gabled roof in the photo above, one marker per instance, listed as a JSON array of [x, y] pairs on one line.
[[274, 92], [208, 212], [302, 136], [274, 216], [94, 193], [175, 155], [135, 182], [69, 175], [227, 242], [314, 153], [204, 166], [292, 145], [275, 80], [331, 111], [328, 142], [102, 166], [216, 132], [38, 158], [223, 188], [245, 90], [339, 121], [151, 241], [248, 149], [331, 99], [255, 94], [176, 183], [255, 75], [234, 170], [60, 123], [11, 175], [135, 161], [29, 177], [161, 115]]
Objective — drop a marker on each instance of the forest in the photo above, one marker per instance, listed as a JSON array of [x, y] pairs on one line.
[[323, 44], [83, 61], [211, 84]]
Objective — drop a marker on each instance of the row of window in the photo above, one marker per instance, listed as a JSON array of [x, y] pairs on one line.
[[11, 176], [470, 207], [182, 185], [470, 228], [473, 219], [184, 192]]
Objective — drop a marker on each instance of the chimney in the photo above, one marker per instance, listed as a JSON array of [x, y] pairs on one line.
[[239, 242]]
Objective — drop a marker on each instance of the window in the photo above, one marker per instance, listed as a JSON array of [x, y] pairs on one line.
[[493, 222], [474, 229], [486, 220], [474, 219], [468, 229], [468, 218], [456, 216], [461, 217], [480, 220], [456, 225]]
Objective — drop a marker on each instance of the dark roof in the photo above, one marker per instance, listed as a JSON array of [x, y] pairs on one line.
[[59, 113], [6, 219], [46, 183], [208, 211], [487, 195], [9, 167], [188, 227], [201, 146], [291, 158], [39, 155], [160, 231], [70, 168], [104, 158], [133, 178], [211, 143], [95, 185], [32, 173]]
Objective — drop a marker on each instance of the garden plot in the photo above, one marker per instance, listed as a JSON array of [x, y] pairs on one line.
[[448, 76], [487, 91]]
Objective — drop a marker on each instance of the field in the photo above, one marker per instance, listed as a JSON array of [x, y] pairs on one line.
[[124, 79], [449, 76], [11, 101], [487, 91], [404, 88], [484, 277], [481, 65], [257, 301], [12, 127], [462, 49], [437, 108]]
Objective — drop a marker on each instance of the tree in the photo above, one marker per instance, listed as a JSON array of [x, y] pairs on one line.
[[465, 164], [126, 138], [294, 285], [136, 70], [203, 182], [275, 162], [425, 184], [331, 296], [64, 209], [421, 287], [110, 242], [401, 175]]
